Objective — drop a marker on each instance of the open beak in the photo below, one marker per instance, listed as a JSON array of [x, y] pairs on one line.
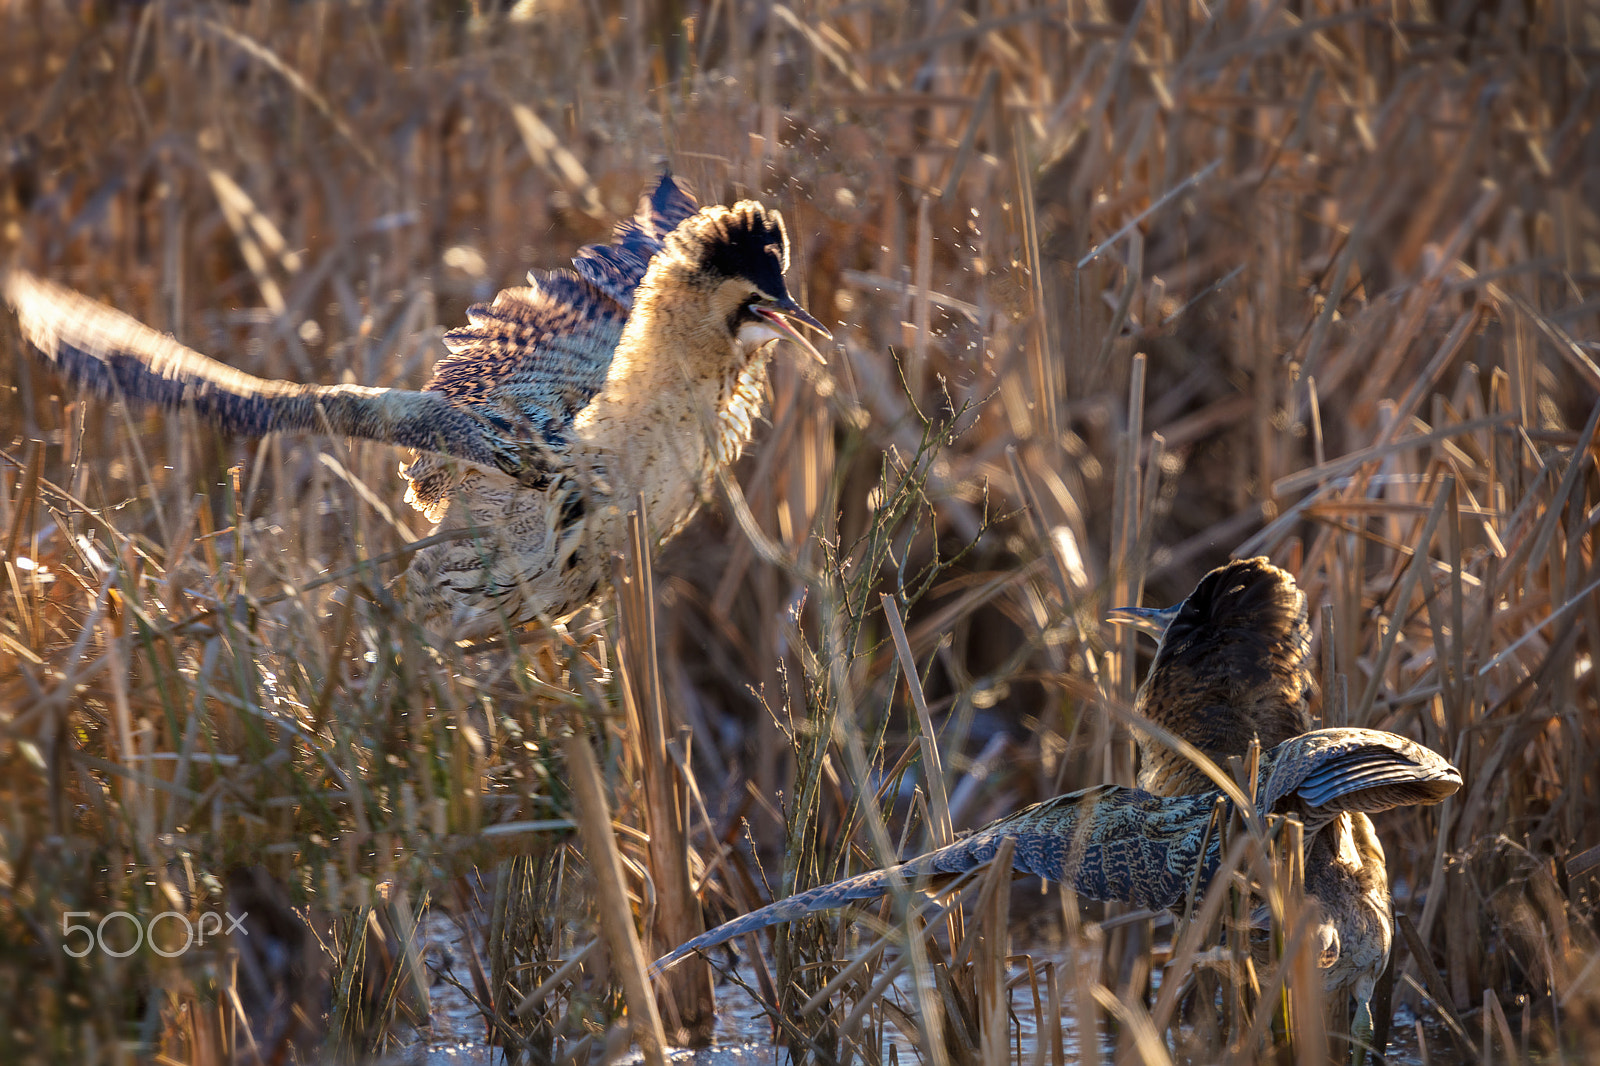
[[1152, 620], [782, 314]]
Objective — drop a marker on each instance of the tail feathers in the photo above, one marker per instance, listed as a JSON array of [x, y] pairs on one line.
[[114, 355]]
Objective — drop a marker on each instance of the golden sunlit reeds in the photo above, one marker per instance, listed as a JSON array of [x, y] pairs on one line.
[[1118, 290]]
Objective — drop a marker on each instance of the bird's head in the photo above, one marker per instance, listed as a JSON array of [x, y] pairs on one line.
[[736, 256], [1246, 595]]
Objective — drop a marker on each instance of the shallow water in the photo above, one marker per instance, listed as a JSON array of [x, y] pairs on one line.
[[743, 1035]]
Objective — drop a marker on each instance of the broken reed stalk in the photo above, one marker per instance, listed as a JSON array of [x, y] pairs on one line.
[[687, 999], [940, 831], [615, 914]]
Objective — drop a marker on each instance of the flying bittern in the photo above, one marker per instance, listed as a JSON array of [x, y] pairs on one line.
[[1112, 842], [638, 373]]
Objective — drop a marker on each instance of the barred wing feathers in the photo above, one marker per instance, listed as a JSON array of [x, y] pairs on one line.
[[1125, 844], [1109, 843], [516, 377], [617, 268], [114, 355], [551, 343], [532, 359], [1330, 771]]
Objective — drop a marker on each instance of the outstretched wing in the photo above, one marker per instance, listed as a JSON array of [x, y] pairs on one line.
[[547, 348], [1108, 843], [114, 355], [506, 395], [1328, 771], [617, 268]]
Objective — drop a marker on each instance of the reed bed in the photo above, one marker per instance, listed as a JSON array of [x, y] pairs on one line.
[[1118, 291]]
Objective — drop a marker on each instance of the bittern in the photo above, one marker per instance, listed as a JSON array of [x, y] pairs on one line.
[[1233, 665], [636, 375], [1113, 842]]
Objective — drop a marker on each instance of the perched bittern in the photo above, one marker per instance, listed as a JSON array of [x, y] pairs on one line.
[[638, 373], [1113, 842], [1234, 665]]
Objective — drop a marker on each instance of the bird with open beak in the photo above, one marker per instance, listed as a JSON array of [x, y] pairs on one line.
[[635, 376]]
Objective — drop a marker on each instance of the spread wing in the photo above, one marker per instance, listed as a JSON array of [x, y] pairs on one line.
[[617, 268], [548, 346], [1329, 771], [112, 354], [1108, 843], [529, 361], [1125, 844], [505, 396]]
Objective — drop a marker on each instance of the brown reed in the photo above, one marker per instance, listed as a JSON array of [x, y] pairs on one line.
[[1119, 290]]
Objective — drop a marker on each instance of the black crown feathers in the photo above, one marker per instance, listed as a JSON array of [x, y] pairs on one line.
[[748, 241]]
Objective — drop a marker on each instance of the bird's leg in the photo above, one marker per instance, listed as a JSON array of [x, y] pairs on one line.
[[1361, 1030]]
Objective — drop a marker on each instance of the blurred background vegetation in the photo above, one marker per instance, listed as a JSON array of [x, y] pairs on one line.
[[1118, 289]]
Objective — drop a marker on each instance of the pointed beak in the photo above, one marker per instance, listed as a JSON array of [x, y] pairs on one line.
[[782, 314], [1152, 620]]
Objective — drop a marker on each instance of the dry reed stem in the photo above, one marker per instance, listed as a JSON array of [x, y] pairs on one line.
[[688, 1000], [615, 914], [940, 832]]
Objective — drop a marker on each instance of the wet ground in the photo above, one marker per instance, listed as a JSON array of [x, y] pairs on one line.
[[744, 1037]]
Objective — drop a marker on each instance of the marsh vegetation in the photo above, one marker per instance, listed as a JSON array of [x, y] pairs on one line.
[[1118, 291]]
